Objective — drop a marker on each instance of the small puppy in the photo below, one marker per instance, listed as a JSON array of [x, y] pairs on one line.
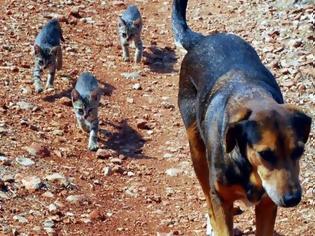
[[85, 99], [48, 53], [129, 29]]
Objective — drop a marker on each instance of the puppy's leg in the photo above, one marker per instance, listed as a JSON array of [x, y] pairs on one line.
[[51, 75], [93, 146], [139, 49], [125, 49], [36, 77], [266, 212]]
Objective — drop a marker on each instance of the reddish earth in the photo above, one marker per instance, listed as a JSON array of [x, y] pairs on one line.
[[142, 128]]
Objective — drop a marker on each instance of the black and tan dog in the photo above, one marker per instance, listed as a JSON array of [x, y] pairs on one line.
[[245, 142]]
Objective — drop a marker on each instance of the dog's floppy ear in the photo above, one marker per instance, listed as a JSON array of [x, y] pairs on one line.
[[235, 127], [300, 122]]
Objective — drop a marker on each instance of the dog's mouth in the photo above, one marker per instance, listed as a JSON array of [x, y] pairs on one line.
[[289, 199]]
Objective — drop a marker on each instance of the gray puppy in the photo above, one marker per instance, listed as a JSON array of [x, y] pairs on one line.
[[48, 53], [85, 100], [129, 29]]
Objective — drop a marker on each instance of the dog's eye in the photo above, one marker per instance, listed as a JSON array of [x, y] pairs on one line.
[[268, 156], [297, 153], [124, 35]]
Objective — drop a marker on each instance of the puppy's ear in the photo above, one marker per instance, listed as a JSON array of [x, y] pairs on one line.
[[300, 122], [137, 22], [37, 50], [121, 22], [236, 127], [75, 96]]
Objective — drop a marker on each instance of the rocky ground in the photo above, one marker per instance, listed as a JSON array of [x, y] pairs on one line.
[[141, 182]]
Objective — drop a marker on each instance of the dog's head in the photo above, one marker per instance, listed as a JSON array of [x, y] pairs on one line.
[[273, 141]]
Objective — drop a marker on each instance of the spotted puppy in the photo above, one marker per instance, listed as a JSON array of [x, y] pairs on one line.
[[245, 143]]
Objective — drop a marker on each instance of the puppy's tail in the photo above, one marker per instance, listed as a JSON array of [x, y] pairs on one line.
[[183, 35]]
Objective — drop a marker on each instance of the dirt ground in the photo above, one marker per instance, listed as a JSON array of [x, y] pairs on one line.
[[143, 183]]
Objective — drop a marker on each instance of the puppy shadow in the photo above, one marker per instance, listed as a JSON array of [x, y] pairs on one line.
[[160, 60], [124, 140]]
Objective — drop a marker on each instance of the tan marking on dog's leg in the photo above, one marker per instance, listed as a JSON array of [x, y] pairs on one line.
[[221, 216], [266, 212]]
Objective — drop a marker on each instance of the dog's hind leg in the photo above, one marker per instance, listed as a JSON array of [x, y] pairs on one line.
[[266, 212]]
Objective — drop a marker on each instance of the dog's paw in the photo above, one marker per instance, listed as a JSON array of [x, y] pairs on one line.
[[38, 87], [209, 231]]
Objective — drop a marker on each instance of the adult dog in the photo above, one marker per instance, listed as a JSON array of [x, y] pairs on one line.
[[245, 143]]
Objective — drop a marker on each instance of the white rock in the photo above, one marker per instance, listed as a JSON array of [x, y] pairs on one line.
[[24, 161], [173, 172], [107, 171], [32, 183], [20, 219]]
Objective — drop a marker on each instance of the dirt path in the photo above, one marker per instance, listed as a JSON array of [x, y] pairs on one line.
[[140, 129]]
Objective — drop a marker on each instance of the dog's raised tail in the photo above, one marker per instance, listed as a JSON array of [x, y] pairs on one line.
[[183, 35]]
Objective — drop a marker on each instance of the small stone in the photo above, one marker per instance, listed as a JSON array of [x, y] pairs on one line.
[[32, 183], [52, 208], [65, 101], [39, 150], [168, 155], [25, 105], [3, 158], [103, 153], [143, 124], [58, 132], [24, 161], [96, 215], [48, 223], [107, 171], [173, 172], [137, 86], [48, 194], [132, 75], [118, 169], [20, 219], [75, 11], [74, 199], [116, 161], [130, 100], [118, 3], [130, 174]]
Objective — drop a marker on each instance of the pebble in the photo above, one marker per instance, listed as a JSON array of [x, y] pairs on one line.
[[173, 172], [20, 219], [25, 105], [137, 86], [103, 153], [117, 161], [48, 223], [38, 150], [48, 194], [132, 75], [32, 183], [74, 199], [142, 124], [24, 161], [3, 158], [107, 171], [96, 215]]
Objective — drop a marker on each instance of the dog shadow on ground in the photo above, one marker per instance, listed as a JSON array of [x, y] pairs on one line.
[[160, 60], [124, 140], [106, 90]]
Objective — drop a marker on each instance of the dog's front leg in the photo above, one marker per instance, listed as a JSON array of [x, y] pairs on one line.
[[266, 212], [221, 215]]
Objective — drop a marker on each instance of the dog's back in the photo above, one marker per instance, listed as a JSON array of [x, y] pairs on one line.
[[218, 54]]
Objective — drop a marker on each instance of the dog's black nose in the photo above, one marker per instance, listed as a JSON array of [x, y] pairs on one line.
[[292, 199]]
